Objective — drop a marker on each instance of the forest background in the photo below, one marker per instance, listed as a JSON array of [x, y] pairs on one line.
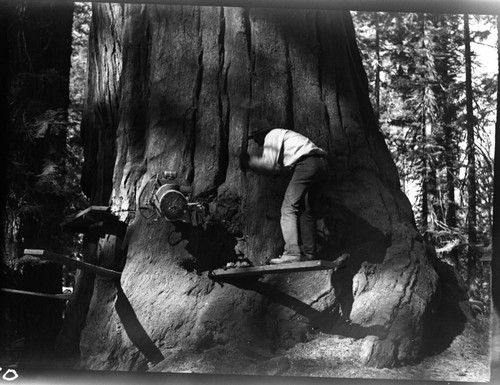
[[434, 98], [433, 86]]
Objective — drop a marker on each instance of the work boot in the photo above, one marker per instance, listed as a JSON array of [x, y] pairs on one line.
[[286, 258]]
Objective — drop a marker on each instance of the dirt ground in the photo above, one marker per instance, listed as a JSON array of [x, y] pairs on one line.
[[466, 360]]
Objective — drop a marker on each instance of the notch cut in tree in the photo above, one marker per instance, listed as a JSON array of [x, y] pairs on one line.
[[182, 72]]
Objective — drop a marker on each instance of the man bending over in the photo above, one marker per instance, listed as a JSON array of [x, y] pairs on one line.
[[285, 150]]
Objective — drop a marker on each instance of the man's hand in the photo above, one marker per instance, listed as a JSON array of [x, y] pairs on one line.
[[244, 158]]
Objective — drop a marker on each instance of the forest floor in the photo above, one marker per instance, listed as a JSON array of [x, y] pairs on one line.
[[467, 359]]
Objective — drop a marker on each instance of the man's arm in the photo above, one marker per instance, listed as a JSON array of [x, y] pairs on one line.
[[253, 163], [267, 163]]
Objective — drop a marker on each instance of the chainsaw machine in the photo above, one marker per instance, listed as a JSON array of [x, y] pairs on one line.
[[163, 197]]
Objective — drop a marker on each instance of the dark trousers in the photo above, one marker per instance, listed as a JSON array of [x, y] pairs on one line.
[[297, 210]]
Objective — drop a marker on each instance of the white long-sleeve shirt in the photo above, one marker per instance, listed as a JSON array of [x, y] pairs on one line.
[[282, 149]]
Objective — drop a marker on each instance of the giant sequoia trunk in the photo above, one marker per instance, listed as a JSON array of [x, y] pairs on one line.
[[180, 78]]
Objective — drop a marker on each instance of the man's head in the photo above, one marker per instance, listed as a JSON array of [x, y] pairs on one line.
[[259, 135]]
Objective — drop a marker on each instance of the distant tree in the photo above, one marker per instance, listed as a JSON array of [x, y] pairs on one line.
[[432, 50], [79, 55], [471, 148], [447, 62], [370, 31]]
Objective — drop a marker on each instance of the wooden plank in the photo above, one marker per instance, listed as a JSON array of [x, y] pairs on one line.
[[46, 295], [292, 267], [94, 217], [81, 222], [64, 260]]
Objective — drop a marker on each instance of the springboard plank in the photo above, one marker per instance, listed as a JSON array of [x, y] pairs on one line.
[[91, 216], [64, 260], [36, 294], [292, 267]]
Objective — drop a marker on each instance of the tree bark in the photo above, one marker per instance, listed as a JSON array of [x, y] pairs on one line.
[[100, 118], [98, 130], [184, 72]]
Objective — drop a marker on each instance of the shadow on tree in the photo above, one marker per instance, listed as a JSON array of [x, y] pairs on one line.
[[447, 315], [133, 327], [209, 248]]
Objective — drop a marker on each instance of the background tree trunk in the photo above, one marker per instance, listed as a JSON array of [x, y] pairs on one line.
[[98, 130], [449, 134], [471, 158], [184, 71], [426, 167]]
